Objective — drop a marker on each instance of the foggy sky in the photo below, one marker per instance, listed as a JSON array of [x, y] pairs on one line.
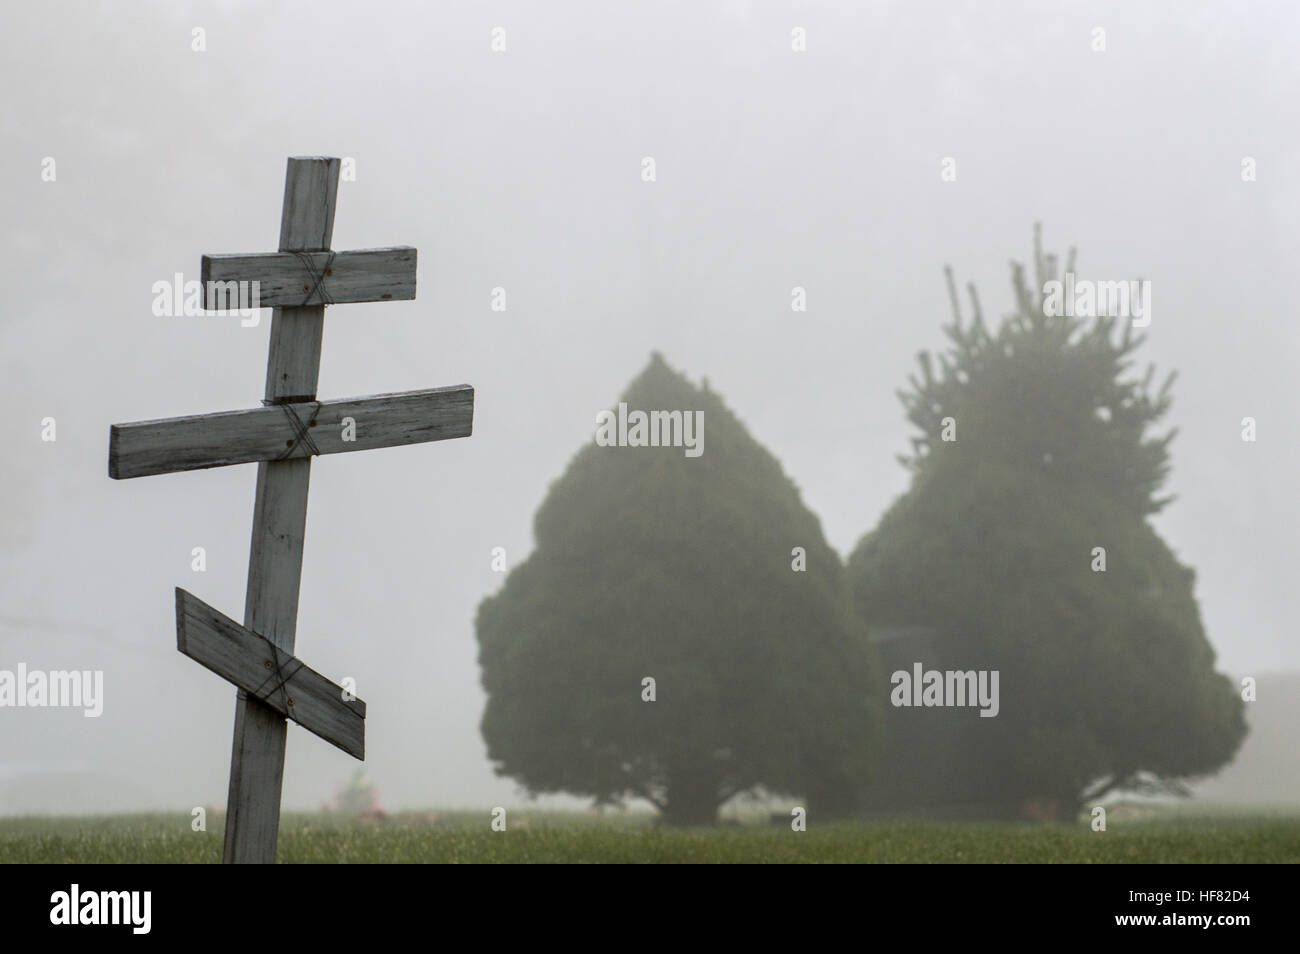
[[522, 170]]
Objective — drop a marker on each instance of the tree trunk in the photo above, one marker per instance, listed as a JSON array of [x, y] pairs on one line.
[[1068, 807], [833, 802], [692, 798]]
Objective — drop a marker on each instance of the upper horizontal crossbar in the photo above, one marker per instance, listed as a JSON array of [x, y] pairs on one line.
[[294, 279]]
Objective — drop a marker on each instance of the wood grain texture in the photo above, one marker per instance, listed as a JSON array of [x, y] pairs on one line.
[[169, 445], [278, 679], [279, 524], [311, 192], [311, 278], [256, 780]]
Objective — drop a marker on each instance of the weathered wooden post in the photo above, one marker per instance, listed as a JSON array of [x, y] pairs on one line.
[[298, 282]]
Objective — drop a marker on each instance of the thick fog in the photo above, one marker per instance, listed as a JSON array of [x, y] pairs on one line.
[[522, 169]]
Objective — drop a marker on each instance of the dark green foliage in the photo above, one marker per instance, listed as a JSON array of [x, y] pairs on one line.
[[650, 563], [1107, 678]]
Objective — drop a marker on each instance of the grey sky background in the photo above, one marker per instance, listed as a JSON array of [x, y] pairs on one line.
[[522, 169]]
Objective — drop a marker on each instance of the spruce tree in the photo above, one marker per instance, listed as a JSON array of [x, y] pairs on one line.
[[992, 560]]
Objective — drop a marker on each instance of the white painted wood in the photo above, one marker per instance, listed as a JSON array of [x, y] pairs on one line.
[[311, 278], [279, 679], [144, 448]]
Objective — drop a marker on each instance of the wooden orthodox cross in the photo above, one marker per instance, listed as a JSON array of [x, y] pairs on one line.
[[298, 281]]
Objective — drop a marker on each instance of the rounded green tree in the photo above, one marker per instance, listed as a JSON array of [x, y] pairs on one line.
[[682, 631], [1023, 546]]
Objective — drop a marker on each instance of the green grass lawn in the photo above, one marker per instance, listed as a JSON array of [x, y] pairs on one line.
[[1167, 835]]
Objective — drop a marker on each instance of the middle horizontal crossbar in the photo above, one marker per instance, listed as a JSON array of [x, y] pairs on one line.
[[284, 431]]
